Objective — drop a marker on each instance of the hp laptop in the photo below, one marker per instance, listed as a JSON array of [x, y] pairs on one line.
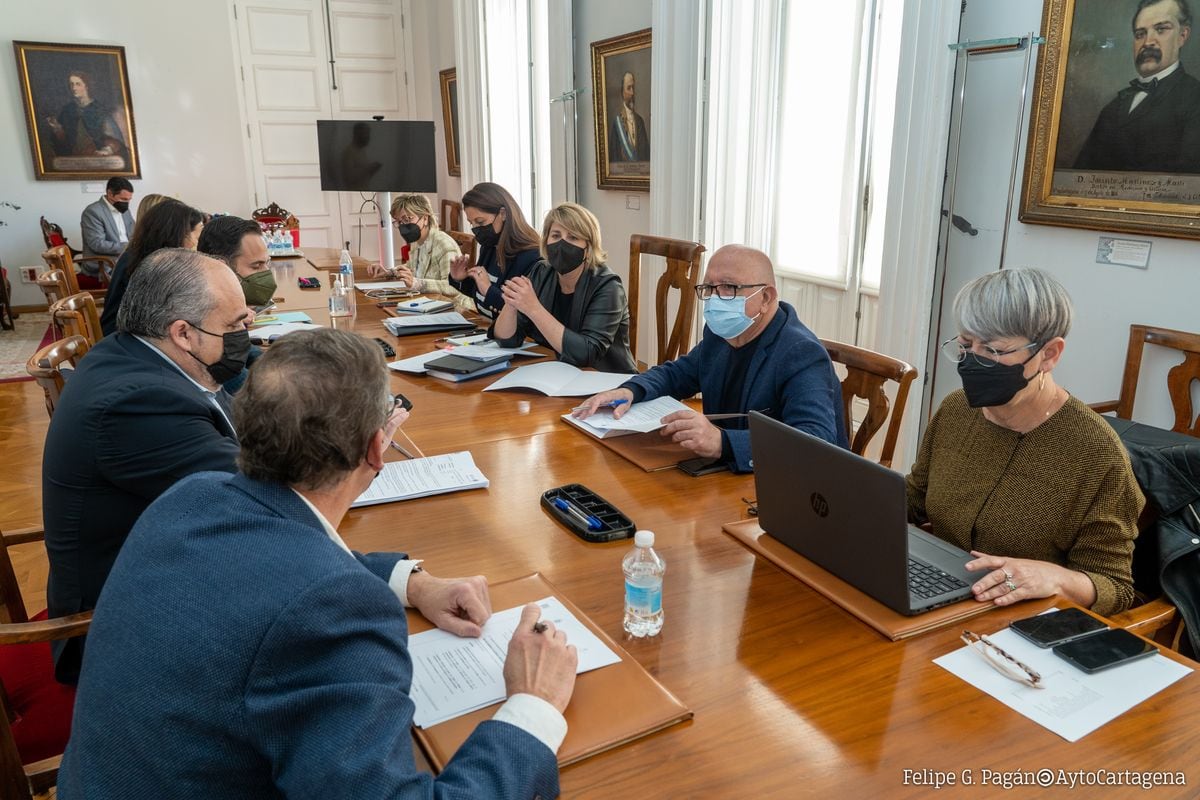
[[849, 516]]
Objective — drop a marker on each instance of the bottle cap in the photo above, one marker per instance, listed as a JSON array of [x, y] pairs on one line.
[[643, 539]]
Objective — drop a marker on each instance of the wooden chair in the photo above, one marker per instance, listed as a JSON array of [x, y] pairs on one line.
[[45, 366], [59, 257], [451, 213], [76, 316], [466, 243], [1179, 378], [866, 374], [683, 270], [52, 235], [29, 754]]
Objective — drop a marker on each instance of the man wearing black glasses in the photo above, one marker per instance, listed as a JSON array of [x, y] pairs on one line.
[[755, 355]]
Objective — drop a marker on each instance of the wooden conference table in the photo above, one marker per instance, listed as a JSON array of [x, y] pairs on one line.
[[793, 697]]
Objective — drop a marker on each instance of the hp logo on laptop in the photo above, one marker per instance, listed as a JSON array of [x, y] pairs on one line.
[[819, 504]]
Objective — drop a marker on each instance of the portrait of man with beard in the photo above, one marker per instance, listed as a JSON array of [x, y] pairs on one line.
[[1153, 124]]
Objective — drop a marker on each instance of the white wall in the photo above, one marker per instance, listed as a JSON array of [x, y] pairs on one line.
[[432, 27], [182, 82], [595, 20], [1107, 298]]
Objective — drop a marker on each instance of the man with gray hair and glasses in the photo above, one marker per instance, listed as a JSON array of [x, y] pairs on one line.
[[144, 409], [242, 650]]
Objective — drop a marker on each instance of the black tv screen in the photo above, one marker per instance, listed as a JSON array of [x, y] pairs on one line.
[[377, 156]]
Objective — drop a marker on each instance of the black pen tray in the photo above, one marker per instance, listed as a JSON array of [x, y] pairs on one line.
[[614, 524]]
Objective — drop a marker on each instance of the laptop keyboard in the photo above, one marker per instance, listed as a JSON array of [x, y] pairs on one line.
[[926, 581]]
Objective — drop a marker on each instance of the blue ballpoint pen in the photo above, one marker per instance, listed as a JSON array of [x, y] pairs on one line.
[[592, 523]]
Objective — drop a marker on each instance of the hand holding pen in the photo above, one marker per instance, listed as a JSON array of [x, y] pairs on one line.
[[618, 400]]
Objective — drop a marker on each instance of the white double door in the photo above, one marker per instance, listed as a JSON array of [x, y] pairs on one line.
[[285, 49]]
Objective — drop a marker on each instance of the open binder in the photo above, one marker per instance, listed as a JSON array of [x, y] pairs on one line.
[[611, 706]]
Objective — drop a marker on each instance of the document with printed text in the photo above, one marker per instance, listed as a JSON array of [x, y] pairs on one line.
[[639, 418], [453, 676], [422, 477]]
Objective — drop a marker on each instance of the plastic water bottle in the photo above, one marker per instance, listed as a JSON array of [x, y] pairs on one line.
[[346, 274], [643, 587]]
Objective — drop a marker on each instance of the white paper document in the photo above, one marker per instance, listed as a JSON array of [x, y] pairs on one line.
[[453, 676], [425, 320], [269, 333], [640, 418], [486, 352], [1073, 703], [369, 286], [422, 477], [557, 379]]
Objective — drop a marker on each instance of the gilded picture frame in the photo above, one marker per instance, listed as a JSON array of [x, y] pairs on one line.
[[78, 111], [622, 85], [449, 88], [1096, 158]]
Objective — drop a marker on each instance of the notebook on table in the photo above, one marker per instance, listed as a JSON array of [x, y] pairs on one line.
[[595, 722], [849, 515]]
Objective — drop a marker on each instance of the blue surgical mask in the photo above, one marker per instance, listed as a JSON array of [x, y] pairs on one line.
[[727, 318]]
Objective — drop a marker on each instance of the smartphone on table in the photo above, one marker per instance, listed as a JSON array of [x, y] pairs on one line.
[[1103, 650], [1057, 627]]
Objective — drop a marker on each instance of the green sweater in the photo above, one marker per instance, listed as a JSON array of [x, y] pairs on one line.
[[1063, 493]]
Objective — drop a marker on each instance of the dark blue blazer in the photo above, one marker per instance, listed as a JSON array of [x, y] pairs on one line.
[[238, 652], [518, 264], [128, 426], [790, 379]]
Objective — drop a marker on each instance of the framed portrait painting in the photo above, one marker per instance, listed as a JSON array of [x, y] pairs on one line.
[[622, 86], [78, 111], [1114, 139], [449, 82]]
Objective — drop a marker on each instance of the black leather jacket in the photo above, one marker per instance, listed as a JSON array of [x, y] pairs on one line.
[[1167, 555], [597, 332]]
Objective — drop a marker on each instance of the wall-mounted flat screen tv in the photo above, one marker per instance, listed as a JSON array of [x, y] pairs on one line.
[[377, 156]]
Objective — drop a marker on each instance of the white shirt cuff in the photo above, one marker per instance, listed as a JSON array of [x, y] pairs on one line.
[[399, 579], [536, 717]]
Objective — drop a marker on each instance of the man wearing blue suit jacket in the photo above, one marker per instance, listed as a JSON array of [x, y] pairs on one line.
[[241, 650], [144, 409], [756, 355], [107, 223]]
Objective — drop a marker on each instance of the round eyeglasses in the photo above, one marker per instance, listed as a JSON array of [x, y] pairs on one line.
[[956, 351]]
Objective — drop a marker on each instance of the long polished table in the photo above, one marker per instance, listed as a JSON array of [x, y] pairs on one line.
[[793, 697]]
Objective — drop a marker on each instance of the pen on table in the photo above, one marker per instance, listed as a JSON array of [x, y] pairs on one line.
[[592, 523], [402, 450], [609, 404]]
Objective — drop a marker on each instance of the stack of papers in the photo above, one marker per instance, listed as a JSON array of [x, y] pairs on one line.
[[422, 305], [557, 379], [453, 676], [269, 333], [415, 365], [278, 317], [639, 418], [427, 323], [422, 477], [376, 287]]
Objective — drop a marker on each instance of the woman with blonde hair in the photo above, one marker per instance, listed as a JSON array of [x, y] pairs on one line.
[[431, 250], [571, 301]]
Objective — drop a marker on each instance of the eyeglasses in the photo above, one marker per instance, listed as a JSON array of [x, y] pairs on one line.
[[725, 291], [956, 351], [1001, 661]]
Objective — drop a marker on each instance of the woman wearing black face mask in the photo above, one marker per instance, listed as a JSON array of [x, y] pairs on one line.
[[571, 302], [508, 247], [431, 251], [1014, 469]]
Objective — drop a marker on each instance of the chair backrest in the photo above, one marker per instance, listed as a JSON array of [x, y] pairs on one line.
[[466, 243], [45, 366], [59, 257], [76, 315], [1179, 378], [53, 284], [451, 216], [683, 270], [52, 235], [866, 374]]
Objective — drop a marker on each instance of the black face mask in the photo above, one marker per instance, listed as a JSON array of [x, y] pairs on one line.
[[486, 235], [234, 352], [410, 232], [995, 385], [121, 206], [564, 256]]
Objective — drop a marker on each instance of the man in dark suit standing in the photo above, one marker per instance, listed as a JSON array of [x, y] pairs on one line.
[[1153, 125], [144, 409], [242, 650], [107, 223], [628, 139]]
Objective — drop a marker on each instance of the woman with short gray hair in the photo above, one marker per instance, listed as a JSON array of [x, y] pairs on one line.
[[1014, 469]]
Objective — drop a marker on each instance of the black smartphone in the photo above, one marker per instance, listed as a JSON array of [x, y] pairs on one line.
[[405, 403], [702, 466], [1103, 650], [1058, 627]]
